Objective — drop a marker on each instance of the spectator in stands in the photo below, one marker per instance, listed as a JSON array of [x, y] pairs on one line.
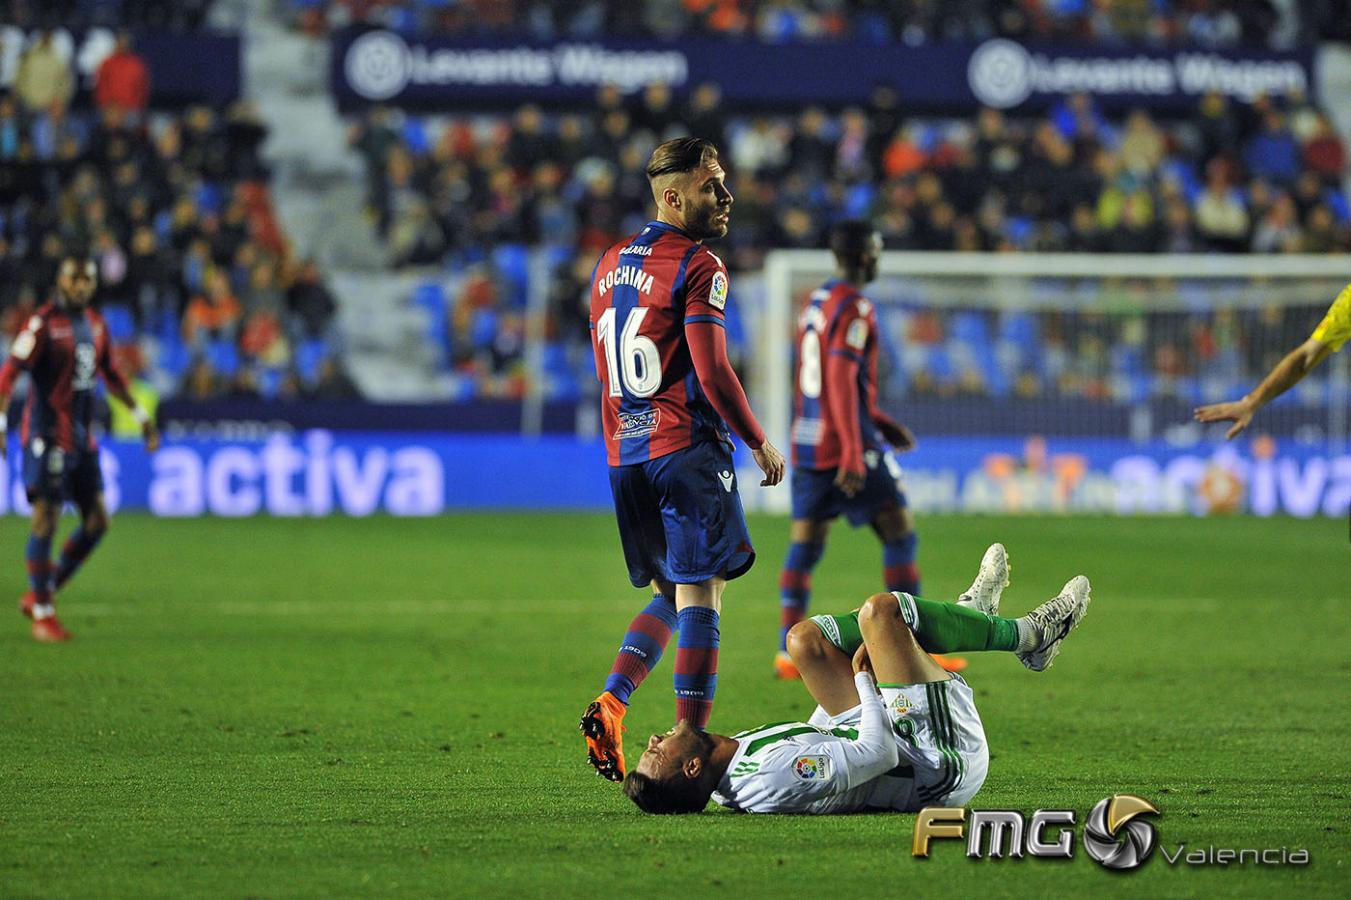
[[1324, 153], [703, 114], [1273, 154], [1220, 215], [44, 77], [333, 383], [213, 315], [1278, 231], [123, 80], [310, 303]]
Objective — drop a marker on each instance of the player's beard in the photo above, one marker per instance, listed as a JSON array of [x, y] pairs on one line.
[[710, 225]]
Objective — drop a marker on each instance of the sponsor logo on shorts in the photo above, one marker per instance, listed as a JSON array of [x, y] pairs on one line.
[[812, 768], [637, 424], [727, 479]]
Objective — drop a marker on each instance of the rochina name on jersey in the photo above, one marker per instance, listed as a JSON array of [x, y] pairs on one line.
[[636, 278]]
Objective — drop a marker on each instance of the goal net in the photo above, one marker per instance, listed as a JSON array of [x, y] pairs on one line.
[[1067, 382]]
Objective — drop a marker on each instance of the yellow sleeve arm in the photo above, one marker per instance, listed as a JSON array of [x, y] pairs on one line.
[[1336, 325]]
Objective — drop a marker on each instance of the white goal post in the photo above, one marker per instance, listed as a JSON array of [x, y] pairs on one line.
[[1131, 293]]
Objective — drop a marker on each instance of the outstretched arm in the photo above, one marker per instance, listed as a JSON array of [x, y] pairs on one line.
[[1287, 373]]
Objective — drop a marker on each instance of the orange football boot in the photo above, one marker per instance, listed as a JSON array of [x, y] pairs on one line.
[[603, 727], [950, 663], [785, 669]]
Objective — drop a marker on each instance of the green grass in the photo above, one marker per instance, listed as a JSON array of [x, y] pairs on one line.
[[385, 707]]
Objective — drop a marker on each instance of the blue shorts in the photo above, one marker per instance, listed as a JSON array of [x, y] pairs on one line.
[[50, 473], [816, 497], [680, 518]]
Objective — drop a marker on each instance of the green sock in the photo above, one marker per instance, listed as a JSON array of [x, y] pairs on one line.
[[949, 628]]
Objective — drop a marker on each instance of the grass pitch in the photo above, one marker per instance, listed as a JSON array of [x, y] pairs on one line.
[[389, 707]]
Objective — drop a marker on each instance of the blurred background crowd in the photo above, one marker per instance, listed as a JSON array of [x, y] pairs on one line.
[[1205, 23], [206, 298]]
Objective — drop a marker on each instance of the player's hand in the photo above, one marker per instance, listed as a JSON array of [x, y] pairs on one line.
[[770, 462], [1238, 412], [862, 663], [897, 435], [850, 483], [151, 435]]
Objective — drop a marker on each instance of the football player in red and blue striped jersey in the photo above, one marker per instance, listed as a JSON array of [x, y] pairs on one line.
[[668, 397], [842, 441], [64, 347]]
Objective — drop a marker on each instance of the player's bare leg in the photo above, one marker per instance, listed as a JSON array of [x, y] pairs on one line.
[[896, 655], [602, 724], [895, 528], [84, 540], [38, 603], [807, 542], [826, 670]]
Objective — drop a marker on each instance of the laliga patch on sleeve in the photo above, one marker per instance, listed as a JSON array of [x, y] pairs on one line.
[[812, 768], [717, 294], [857, 335]]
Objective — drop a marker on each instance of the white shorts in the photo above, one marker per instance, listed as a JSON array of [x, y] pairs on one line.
[[944, 756]]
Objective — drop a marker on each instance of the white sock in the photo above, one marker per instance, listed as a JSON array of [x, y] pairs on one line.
[[43, 611], [1029, 635]]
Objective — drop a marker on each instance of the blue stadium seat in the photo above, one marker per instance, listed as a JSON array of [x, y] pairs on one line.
[[223, 356], [121, 324], [269, 383], [209, 197], [309, 356], [859, 200], [970, 328], [415, 136], [939, 364], [512, 262], [174, 358], [483, 329], [1020, 329], [430, 297]]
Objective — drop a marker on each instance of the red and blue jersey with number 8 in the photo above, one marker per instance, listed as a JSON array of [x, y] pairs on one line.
[[837, 322], [645, 292]]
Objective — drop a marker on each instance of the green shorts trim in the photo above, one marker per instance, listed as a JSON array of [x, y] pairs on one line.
[[842, 631]]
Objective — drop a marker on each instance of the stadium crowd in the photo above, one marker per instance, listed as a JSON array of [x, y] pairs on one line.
[[478, 193], [1207, 23], [199, 289], [178, 15]]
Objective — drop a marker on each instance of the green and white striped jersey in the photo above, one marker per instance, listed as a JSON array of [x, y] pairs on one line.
[[794, 767]]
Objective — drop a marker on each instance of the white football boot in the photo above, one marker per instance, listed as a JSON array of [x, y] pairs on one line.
[[993, 577], [1055, 619]]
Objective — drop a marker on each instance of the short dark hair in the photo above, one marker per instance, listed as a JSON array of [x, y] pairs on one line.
[[670, 796], [850, 238], [680, 155]]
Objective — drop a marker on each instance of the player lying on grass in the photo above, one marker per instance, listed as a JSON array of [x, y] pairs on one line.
[[920, 743]]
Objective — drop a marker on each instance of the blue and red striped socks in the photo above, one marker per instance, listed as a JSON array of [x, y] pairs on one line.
[[795, 585], [38, 555], [77, 548], [644, 642], [696, 667], [899, 571]]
